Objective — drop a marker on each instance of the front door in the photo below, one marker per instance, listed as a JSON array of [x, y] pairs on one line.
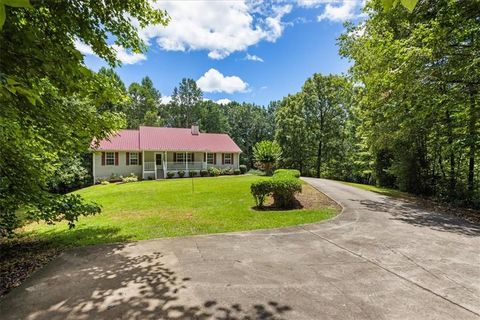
[[159, 165]]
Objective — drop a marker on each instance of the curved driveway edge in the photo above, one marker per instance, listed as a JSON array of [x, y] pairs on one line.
[[380, 259]]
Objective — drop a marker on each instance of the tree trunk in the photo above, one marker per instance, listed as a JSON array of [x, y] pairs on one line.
[[319, 158], [452, 180], [472, 140]]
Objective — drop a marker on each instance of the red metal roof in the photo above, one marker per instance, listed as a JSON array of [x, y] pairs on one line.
[[169, 139], [128, 140]]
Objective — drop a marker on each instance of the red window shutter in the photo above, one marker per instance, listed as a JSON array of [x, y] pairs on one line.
[[193, 157], [214, 158], [140, 157], [174, 157], [223, 158], [232, 158], [204, 157], [127, 157], [116, 158], [103, 158]]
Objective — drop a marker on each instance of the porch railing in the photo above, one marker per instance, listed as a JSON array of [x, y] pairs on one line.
[[149, 166], [175, 166]]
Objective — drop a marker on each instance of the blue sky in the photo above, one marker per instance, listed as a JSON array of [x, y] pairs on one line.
[[249, 51]]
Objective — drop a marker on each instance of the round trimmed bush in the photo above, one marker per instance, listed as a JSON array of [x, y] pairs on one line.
[[193, 173], [243, 168], [170, 174], [181, 173], [203, 173]]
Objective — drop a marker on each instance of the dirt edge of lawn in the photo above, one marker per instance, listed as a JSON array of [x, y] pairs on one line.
[[15, 268]]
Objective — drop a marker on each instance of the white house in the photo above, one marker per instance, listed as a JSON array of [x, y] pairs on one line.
[[151, 152]]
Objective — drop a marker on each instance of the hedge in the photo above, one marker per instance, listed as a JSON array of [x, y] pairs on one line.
[[282, 186], [287, 172]]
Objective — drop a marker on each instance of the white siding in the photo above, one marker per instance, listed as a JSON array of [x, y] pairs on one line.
[[105, 171], [122, 169]]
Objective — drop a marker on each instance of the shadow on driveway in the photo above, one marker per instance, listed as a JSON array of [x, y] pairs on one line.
[[418, 216], [127, 287]]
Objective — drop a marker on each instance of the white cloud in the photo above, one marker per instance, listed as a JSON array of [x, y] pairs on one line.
[[166, 99], [223, 101], [214, 81], [312, 3], [341, 10], [83, 48], [126, 57], [123, 55], [335, 10], [253, 57], [220, 27]]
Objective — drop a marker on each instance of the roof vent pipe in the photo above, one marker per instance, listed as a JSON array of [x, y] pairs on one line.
[[195, 130]]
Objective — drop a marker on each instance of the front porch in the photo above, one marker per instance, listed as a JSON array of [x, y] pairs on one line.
[[156, 164]]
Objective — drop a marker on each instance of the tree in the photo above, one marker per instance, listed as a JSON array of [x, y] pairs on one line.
[[293, 134], [249, 124], [144, 105], [267, 154], [115, 98], [212, 118], [184, 107], [49, 98], [419, 107], [326, 100], [409, 4]]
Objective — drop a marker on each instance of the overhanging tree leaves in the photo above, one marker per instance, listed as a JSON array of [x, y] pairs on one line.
[[49, 98]]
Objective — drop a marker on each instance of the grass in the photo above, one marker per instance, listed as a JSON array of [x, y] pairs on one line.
[[385, 191], [170, 208]]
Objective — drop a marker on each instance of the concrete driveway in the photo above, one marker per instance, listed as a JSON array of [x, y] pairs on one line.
[[380, 259]]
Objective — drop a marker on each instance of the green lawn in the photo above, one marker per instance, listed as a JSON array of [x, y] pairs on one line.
[[170, 208], [385, 191]]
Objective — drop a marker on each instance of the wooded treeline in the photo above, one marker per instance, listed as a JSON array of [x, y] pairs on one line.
[[407, 116]]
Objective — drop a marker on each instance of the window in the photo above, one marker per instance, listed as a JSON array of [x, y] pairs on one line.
[[180, 157], [110, 158], [227, 158], [210, 158], [133, 158]]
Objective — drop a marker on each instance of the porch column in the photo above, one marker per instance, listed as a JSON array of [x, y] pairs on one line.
[[155, 163], [165, 165], [143, 165], [93, 167], [205, 162]]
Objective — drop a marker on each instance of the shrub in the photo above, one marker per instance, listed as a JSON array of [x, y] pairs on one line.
[[114, 178], [104, 182], [131, 178], [214, 171], [287, 172], [181, 173], [256, 172], [243, 168], [284, 190], [227, 171], [260, 190], [236, 172], [193, 173], [282, 186], [203, 173], [266, 154], [170, 174]]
